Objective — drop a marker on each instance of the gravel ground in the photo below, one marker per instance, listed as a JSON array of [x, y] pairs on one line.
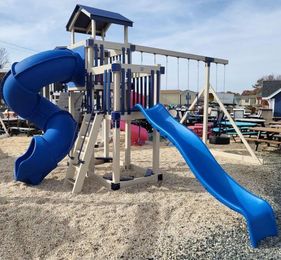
[[176, 220]]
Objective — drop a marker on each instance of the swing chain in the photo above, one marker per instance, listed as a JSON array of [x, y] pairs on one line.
[[166, 72], [178, 76]]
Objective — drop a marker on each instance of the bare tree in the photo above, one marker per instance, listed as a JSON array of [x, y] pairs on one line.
[[3, 57], [270, 77]]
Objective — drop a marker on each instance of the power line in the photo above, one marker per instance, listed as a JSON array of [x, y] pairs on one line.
[[19, 46]]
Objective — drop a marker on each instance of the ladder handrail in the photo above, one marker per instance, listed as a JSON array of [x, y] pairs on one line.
[[73, 141], [83, 140], [86, 132]]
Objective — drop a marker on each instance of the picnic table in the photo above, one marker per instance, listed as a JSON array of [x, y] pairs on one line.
[[239, 124], [268, 135], [192, 118], [276, 124], [257, 121], [227, 128], [14, 121]]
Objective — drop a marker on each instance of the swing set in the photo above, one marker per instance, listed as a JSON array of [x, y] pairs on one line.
[[204, 92]]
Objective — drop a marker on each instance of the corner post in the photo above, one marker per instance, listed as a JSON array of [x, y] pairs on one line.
[[127, 162], [71, 105], [90, 58], [72, 35], [127, 98], [156, 135], [106, 129], [116, 116], [93, 25], [126, 34], [206, 101]]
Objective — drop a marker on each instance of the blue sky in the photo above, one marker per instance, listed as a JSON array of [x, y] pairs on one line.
[[247, 32]]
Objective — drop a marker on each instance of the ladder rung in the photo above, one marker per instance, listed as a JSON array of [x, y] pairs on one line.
[[71, 181], [86, 137], [104, 159], [81, 153], [80, 165]]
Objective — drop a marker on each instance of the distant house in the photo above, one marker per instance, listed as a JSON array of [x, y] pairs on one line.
[[225, 98], [248, 101], [271, 92], [177, 97]]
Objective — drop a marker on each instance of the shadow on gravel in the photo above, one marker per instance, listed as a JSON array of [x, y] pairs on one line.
[[227, 244], [27, 233], [6, 167]]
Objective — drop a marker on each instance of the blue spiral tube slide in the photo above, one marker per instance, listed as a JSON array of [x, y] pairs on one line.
[[20, 89]]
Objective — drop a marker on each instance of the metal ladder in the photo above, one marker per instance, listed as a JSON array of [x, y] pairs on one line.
[[83, 151]]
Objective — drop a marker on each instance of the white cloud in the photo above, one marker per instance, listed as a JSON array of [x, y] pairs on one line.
[[245, 32]]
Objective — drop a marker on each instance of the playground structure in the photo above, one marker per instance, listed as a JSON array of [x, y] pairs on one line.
[[115, 90]]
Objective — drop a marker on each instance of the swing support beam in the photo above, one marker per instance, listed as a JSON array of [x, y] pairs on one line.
[[206, 102], [207, 88], [177, 54]]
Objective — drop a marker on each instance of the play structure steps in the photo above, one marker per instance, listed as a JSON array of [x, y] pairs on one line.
[[83, 151]]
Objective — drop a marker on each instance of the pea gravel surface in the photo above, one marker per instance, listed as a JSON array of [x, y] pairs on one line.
[[176, 219]]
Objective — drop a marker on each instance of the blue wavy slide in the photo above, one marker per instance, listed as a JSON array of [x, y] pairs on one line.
[[258, 213], [20, 89]]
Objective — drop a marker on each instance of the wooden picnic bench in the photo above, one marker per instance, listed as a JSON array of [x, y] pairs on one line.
[[274, 123], [266, 135], [257, 121], [226, 128]]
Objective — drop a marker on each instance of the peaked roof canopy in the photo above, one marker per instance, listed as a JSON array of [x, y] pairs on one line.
[[80, 19]]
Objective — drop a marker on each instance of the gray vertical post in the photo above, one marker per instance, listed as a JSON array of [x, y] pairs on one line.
[[206, 101], [141, 91], [151, 89], [128, 99], [104, 91], [101, 54], [129, 54], [109, 79], [156, 135], [158, 78], [138, 90], [116, 128], [145, 92], [123, 92], [123, 55]]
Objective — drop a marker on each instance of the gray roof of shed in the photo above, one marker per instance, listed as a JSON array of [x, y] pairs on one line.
[[82, 15], [269, 87]]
